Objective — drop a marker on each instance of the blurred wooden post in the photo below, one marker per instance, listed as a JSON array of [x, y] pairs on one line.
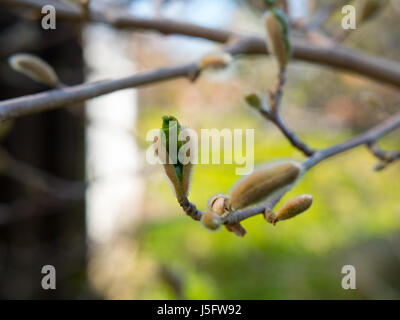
[[43, 231]]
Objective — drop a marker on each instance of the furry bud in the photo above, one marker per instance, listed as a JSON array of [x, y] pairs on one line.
[[215, 61], [35, 68], [263, 183], [294, 207], [277, 28], [211, 220]]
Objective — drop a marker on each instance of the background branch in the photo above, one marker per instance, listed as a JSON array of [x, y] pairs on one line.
[[337, 56], [40, 180]]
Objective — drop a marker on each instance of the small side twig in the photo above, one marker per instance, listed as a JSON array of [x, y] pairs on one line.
[[385, 157], [271, 112]]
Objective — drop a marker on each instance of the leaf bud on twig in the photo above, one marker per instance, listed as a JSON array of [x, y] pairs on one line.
[[264, 183], [277, 28], [293, 208], [178, 173], [215, 61], [35, 68]]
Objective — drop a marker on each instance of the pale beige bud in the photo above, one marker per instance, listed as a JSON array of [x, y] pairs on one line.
[[263, 183], [294, 207], [35, 68], [211, 220], [277, 35], [215, 61]]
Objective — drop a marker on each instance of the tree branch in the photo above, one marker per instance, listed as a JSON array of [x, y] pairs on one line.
[[271, 113], [371, 135], [52, 99], [339, 57]]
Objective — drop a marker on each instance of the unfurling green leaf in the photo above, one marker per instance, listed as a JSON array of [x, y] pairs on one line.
[[178, 173]]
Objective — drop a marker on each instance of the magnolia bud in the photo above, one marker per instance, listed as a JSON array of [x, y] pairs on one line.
[[263, 183], [178, 173], [253, 100], [215, 60], [35, 68], [277, 28], [294, 207], [211, 220]]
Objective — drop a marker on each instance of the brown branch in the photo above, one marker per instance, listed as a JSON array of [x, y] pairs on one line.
[[337, 57], [385, 157], [40, 180]]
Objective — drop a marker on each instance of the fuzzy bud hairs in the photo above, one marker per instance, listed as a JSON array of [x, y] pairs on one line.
[[290, 209], [263, 183]]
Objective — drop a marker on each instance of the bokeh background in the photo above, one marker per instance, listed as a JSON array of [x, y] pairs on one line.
[[109, 222]]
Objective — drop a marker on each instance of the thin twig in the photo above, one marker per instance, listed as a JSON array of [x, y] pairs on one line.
[[386, 156], [190, 209], [271, 113]]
